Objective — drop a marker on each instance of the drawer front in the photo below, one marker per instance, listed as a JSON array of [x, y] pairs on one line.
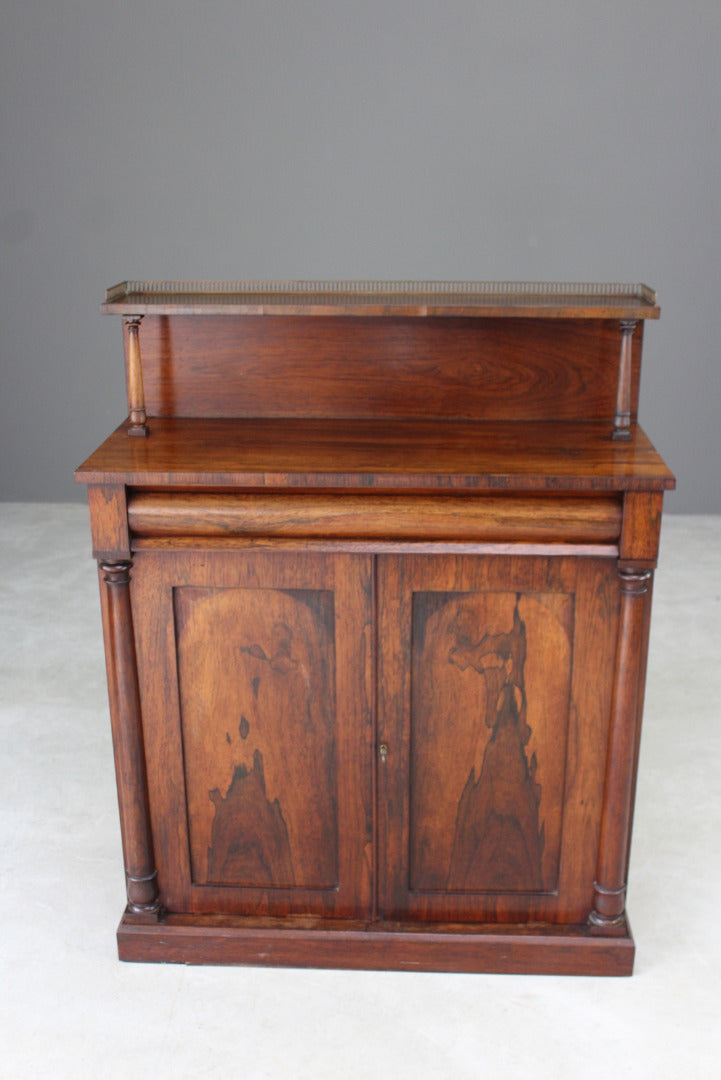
[[461, 518]]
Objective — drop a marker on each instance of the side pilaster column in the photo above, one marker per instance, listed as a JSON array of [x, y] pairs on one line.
[[125, 716], [609, 890], [622, 417], [137, 417]]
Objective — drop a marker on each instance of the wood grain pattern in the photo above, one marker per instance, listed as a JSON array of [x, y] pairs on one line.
[[128, 745], [109, 522], [623, 415], [256, 690], [609, 894], [377, 672], [137, 415], [543, 949], [431, 517], [484, 369], [469, 660], [257, 682], [492, 786], [380, 455], [641, 529]]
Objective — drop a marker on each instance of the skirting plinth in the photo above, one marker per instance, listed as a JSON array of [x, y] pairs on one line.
[[534, 950]]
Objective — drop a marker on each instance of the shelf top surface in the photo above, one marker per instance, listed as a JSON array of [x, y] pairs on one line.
[[380, 455], [384, 298]]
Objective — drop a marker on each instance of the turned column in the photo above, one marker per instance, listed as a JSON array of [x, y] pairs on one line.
[[136, 394], [124, 692], [622, 417], [609, 890]]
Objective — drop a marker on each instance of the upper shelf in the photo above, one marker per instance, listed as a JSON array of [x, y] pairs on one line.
[[560, 300]]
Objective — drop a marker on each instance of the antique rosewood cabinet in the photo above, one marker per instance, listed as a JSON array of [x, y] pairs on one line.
[[375, 564]]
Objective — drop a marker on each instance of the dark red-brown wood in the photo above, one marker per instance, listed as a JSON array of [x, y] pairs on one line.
[[404, 517], [137, 415], [399, 455], [376, 601], [494, 696], [609, 891], [109, 521], [128, 743], [625, 389], [524, 950], [303, 366], [256, 672]]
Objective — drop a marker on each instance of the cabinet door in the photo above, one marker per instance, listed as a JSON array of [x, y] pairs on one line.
[[495, 678], [255, 688]]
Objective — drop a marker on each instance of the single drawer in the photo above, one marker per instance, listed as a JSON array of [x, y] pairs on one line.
[[535, 518]]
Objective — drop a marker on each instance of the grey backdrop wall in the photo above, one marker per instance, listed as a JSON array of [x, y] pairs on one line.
[[389, 138]]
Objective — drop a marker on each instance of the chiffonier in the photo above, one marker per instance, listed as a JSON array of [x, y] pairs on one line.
[[375, 565]]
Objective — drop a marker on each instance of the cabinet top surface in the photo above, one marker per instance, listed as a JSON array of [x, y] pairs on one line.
[[390, 455], [379, 298]]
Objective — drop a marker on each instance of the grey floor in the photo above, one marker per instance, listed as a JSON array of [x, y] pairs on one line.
[[68, 1008]]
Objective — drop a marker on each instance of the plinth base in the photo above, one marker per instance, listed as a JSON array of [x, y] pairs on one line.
[[538, 949]]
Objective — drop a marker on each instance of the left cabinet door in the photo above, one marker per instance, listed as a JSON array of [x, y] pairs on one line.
[[255, 680]]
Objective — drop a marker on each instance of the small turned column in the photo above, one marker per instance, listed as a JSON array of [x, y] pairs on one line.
[[136, 395], [609, 890], [124, 692], [622, 417]]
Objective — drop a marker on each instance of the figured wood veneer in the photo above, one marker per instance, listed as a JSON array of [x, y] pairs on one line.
[[405, 517], [496, 800], [382, 455], [305, 366], [256, 670], [376, 585]]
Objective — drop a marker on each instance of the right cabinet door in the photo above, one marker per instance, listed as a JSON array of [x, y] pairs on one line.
[[494, 696]]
